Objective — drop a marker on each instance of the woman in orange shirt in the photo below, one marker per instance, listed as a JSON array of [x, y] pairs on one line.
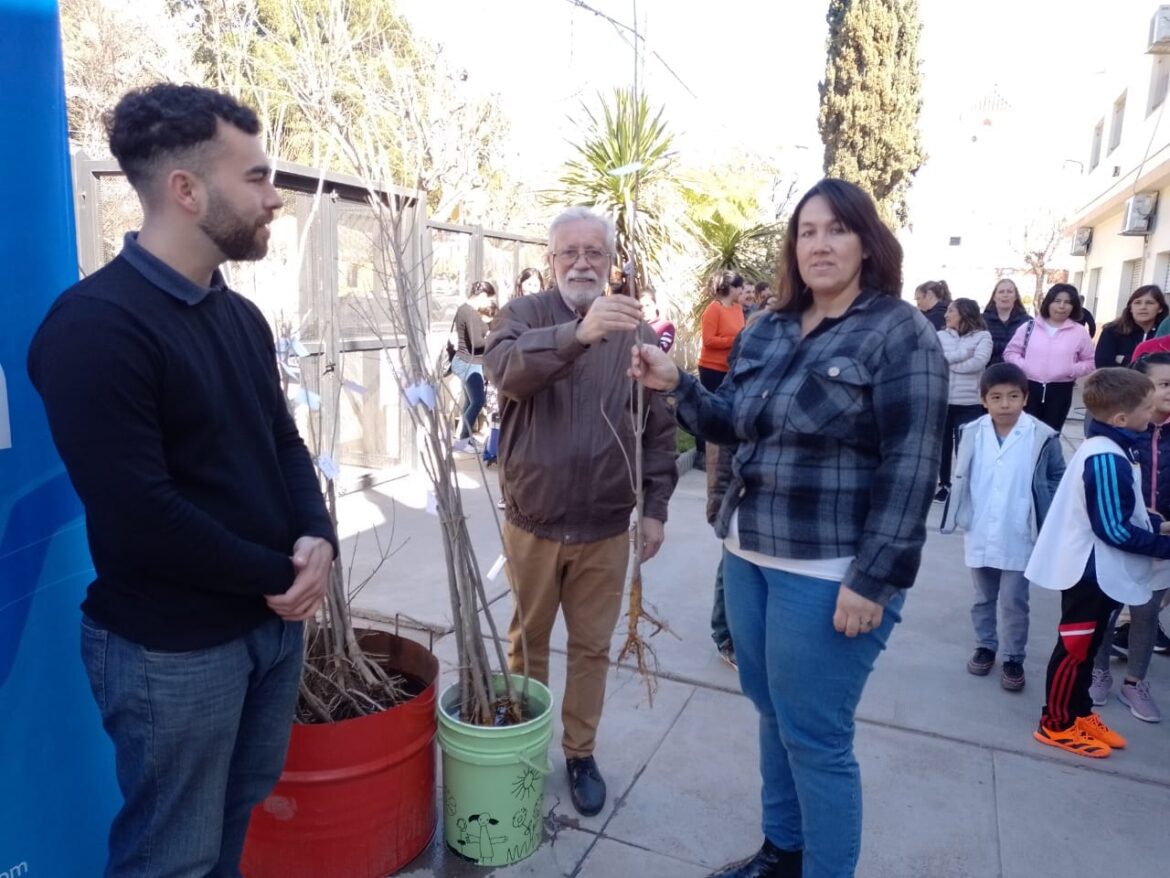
[[722, 321]]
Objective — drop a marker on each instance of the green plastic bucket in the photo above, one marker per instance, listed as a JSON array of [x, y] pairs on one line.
[[493, 779]]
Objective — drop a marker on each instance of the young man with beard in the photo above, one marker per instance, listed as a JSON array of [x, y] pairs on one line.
[[559, 359], [210, 540]]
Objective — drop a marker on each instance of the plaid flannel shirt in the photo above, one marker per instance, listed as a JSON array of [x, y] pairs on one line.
[[838, 434]]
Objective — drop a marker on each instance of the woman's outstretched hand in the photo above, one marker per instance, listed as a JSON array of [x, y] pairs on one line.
[[651, 366]]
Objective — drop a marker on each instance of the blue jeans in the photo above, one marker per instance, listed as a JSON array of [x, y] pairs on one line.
[[1009, 589], [805, 680], [199, 740], [474, 394]]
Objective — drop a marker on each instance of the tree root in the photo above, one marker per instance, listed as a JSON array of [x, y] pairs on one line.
[[636, 647]]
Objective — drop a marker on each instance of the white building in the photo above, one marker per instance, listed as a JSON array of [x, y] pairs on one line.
[[1120, 226]]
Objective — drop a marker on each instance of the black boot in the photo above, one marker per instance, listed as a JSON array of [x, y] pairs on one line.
[[586, 785], [769, 862]]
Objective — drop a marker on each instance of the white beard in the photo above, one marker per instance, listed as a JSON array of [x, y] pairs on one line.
[[580, 297]]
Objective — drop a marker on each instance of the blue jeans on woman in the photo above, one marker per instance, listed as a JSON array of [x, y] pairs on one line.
[[805, 680], [199, 740], [474, 394]]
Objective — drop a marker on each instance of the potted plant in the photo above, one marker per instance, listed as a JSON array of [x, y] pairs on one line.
[[356, 796]]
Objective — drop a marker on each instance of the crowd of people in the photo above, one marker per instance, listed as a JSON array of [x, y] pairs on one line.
[[833, 413]]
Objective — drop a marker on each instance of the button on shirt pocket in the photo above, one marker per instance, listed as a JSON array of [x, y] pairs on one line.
[[832, 398]]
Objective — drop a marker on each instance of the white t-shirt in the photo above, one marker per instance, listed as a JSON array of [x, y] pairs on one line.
[[831, 569]]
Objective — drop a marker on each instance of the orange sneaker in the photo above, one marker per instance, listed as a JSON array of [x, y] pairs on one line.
[[1092, 726], [1074, 740]]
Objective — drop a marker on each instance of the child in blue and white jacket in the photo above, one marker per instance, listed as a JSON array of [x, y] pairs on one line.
[[1009, 465], [1100, 547]]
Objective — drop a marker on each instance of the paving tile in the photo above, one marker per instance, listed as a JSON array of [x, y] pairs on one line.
[[412, 583], [928, 805], [699, 797], [1060, 820], [557, 855], [609, 859]]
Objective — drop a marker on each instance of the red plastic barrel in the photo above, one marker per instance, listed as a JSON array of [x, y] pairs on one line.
[[356, 798]]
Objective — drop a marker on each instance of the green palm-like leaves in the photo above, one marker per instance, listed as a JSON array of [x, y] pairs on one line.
[[743, 248], [626, 136]]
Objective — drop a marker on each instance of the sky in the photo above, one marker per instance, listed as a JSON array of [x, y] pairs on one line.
[[746, 71]]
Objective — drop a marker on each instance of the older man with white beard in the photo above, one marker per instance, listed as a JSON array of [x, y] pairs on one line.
[[558, 359]]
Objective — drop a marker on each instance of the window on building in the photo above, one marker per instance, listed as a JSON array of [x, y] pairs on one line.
[[956, 240], [1095, 152], [1162, 270], [1116, 122], [1159, 81], [1090, 294], [1078, 281], [1131, 279]]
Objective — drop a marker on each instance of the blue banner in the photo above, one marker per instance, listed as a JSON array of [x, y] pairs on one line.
[[59, 791]]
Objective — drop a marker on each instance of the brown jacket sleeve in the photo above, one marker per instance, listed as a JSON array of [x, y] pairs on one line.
[[524, 357]]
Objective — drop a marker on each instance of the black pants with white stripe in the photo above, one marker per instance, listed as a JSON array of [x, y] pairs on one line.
[[1050, 402], [1084, 613]]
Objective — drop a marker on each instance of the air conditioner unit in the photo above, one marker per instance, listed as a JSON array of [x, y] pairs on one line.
[[1160, 32], [1082, 238], [1138, 213]]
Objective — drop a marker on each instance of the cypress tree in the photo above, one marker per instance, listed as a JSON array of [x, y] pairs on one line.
[[870, 100]]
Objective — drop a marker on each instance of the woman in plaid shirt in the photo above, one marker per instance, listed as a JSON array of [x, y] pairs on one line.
[[836, 400]]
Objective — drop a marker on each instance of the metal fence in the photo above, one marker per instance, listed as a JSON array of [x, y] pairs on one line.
[[322, 289]]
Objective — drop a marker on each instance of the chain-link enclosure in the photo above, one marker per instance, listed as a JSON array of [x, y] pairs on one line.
[[324, 288]]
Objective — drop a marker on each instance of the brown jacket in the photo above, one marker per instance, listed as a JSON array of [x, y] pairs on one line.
[[563, 473]]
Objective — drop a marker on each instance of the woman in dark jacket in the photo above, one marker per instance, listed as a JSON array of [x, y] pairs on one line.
[[1004, 314], [932, 299], [1143, 312]]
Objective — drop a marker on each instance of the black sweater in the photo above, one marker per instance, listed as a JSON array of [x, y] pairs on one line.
[[1002, 330], [1115, 349], [937, 315], [164, 403]]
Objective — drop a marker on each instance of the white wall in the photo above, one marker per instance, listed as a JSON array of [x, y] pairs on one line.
[[1110, 250]]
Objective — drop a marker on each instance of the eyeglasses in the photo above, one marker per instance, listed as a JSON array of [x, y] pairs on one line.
[[570, 257]]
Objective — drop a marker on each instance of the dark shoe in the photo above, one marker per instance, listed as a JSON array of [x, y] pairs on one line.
[[940, 496], [1012, 678], [769, 862], [1121, 641], [982, 662], [585, 785], [727, 653], [1161, 642]]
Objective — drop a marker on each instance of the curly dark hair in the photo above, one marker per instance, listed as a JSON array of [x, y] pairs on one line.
[[164, 120]]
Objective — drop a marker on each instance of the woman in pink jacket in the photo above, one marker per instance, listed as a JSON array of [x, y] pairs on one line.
[[1054, 350]]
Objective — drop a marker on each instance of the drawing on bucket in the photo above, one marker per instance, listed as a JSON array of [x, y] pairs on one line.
[[476, 833], [525, 783]]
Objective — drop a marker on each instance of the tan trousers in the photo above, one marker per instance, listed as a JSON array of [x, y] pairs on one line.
[[585, 580]]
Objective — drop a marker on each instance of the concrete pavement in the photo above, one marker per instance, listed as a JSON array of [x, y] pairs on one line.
[[954, 785]]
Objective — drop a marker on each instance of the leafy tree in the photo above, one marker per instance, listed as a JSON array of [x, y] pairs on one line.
[[745, 248], [870, 100], [626, 157], [110, 49], [352, 76]]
